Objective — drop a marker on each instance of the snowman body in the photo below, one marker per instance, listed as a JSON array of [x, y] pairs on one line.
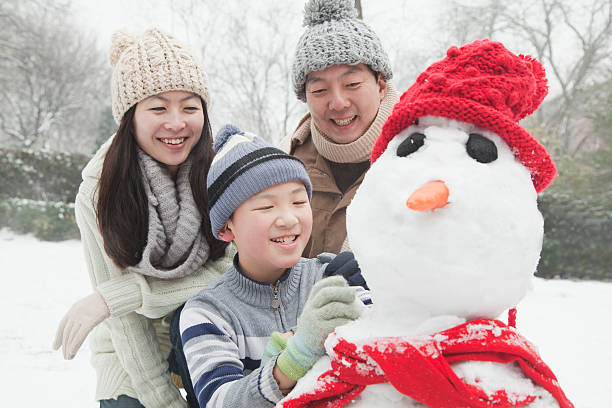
[[430, 270]]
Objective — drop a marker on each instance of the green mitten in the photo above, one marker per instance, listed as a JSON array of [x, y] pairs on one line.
[[275, 345], [331, 304]]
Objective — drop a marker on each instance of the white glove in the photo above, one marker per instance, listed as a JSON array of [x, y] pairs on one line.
[[83, 316]]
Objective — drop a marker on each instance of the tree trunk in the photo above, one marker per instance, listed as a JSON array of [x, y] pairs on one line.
[[359, 10]]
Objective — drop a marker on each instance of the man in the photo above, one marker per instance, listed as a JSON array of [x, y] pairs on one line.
[[342, 73]]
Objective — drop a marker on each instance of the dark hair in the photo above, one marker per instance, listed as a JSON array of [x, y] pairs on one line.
[[122, 209], [376, 74]]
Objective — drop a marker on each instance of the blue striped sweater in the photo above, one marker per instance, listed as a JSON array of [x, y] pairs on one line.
[[226, 326]]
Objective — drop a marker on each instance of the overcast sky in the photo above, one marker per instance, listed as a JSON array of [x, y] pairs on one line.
[[137, 15]]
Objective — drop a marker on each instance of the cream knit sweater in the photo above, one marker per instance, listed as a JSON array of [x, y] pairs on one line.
[[131, 347]]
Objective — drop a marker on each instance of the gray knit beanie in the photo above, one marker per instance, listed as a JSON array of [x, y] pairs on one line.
[[335, 36], [243, 166]]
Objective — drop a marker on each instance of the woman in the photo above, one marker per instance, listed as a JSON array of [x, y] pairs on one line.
[[142, 210]]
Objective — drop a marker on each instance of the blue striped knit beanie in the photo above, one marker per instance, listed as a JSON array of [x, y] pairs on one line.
[[334, 35], [243, 166]]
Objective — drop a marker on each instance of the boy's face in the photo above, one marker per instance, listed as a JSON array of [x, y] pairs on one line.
[[270, 230]]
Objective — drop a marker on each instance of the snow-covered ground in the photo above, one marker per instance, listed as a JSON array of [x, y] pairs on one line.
[[569, 321]]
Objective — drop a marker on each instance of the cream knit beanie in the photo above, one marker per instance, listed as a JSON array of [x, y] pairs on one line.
[[149, 64]]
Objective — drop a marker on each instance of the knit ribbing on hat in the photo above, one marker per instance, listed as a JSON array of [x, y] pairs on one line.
[[334, 36], [359, 150], [243, 166], [148, 65], [254, 158]]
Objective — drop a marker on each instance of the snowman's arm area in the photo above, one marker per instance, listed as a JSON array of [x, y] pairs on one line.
[[216, 367]]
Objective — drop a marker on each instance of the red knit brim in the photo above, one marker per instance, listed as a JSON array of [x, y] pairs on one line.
[[526, 149]]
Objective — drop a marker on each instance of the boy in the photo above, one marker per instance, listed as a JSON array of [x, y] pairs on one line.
[[259, 198]]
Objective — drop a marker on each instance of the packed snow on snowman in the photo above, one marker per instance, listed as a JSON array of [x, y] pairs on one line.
[[447, 232]]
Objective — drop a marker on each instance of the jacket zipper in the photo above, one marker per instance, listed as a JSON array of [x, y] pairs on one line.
[[275, 302]]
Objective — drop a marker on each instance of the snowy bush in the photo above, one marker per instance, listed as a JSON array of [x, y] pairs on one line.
[[577, 238], [37, 191], [40, 175], [49, 221]]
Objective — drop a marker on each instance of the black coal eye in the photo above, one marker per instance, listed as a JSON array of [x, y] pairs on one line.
[[481, 149], [411, 144]]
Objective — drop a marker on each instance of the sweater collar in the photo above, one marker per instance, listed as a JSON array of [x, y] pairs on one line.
[[261, 294]]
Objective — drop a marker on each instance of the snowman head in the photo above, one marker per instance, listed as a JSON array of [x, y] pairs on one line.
[[446, 219]]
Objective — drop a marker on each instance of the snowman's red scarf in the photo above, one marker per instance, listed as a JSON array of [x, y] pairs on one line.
[[422, 369]]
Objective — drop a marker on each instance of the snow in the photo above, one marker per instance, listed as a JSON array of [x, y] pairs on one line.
[[40, 280]]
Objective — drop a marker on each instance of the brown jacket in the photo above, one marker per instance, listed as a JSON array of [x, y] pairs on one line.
[[328, 202]]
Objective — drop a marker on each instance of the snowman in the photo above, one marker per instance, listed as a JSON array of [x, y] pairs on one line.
[[447, 232]]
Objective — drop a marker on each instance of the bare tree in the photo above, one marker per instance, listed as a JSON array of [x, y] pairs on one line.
[[247, 51], [359, 9], [467, 22], [50, 75], [573, 40], [201, 22], [259, 74]]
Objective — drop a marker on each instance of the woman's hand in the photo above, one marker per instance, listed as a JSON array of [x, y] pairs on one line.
[[83, 316]]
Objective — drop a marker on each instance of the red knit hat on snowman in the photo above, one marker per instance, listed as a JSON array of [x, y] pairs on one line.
[[484, 84]]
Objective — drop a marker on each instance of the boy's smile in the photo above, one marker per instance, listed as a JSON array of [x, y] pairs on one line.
[[285, 241], [270, 230]]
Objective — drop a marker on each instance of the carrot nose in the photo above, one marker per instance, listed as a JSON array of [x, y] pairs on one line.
[[429, 197]]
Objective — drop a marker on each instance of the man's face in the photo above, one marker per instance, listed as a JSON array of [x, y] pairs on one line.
[[343, 100]]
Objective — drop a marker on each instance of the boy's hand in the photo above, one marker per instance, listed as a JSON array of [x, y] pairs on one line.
[[276, 344], [331, 304], [345, 264]]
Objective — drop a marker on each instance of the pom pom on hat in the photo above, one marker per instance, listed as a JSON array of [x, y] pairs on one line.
[[243, 166], [223, 136], [120, 40], [320, 11], [484, 84]]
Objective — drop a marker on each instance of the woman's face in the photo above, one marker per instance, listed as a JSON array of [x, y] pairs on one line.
[[168, 125]]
